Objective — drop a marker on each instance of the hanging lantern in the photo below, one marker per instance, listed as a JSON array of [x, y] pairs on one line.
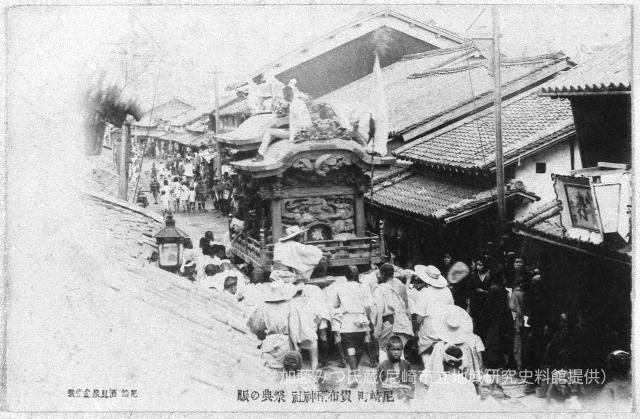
[[170, 240]]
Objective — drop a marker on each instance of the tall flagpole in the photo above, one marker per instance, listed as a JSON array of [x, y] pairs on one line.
[[372, 134], [498, 118]]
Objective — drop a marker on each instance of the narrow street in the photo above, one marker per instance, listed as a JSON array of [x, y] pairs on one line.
[[193, 223]]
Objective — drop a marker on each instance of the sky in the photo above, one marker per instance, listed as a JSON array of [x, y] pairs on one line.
[[177, 48]]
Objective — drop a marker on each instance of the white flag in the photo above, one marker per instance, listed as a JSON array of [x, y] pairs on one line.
[[379, 113]]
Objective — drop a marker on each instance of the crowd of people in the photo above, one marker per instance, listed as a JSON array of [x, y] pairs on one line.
[[454, 333], [182, 183]]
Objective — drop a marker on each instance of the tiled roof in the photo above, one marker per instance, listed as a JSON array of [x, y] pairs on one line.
[[428, 90], [201, 125], [187, 117], [384, 173], [235, 106], [444, 52], [167, 110], [544, 222], [281, 152], [185, 138], [249, 132], [607, 71], [528, 122], [103, 178], [427, 196], [220, 355], [412, 62]]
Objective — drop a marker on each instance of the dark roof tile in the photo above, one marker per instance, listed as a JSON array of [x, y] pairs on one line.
[[427, 196], [528, 121], [434, 89], [608, 70]]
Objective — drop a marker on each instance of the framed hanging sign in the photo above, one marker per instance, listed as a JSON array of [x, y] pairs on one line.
[[582, 207]]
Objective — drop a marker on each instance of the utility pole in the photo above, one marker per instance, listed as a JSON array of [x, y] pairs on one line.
[[123, 182], [218, 147], [498, 119]]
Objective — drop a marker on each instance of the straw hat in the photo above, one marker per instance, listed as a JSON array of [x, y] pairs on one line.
[[280, 291], [430, 275], [293, 231], [452, 324], [457, 272], [283, 275]]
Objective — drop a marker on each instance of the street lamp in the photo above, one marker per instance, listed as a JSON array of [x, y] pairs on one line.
[[170, 240]]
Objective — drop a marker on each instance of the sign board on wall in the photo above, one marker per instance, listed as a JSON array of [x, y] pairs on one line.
[[594, 204], [579, 215], [582, 207]]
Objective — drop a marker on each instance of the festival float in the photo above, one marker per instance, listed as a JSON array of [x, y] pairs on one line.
[[316, 181]]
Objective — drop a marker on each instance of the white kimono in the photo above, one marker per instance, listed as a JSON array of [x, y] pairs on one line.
[[302, 257]]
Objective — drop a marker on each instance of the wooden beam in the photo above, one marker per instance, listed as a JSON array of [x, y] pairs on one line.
[[317, 191], [566, 246], [560, 94], [359, 215], [123, 182], [276, 219]]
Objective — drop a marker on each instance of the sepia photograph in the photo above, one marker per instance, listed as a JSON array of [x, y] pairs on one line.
[[316, 207]]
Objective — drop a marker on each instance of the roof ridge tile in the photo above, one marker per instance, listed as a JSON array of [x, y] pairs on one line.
[[438, 51], [440, 72]]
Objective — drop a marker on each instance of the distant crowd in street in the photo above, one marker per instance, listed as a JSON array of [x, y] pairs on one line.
[[183, 183]]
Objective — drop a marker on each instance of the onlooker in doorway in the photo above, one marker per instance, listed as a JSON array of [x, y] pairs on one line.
[[480, 284], [535, 322], [499, 327]]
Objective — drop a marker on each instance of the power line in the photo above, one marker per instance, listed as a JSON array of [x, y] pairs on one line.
[[475, 119], [476, 19], [148, 33]]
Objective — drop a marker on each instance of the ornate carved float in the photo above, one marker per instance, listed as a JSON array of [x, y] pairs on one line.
[[314, 182]]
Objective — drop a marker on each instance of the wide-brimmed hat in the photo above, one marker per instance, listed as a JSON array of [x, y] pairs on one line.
[[280, 291], [452, 324], [457, 272], [283, 275], [430, 275], [293, 231]]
